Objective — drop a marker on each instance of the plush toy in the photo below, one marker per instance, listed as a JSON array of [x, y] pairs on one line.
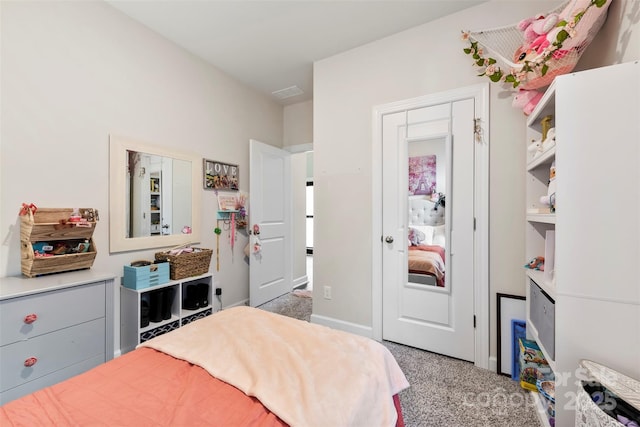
[[526, 27], [535, 148], [536, 263], [526, 100], [535, 27], [550, 141], [550, 199]]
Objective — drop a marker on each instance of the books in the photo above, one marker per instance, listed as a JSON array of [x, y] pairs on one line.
[[533, 365]]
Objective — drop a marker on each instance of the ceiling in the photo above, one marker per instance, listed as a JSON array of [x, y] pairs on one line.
[[271, 45]]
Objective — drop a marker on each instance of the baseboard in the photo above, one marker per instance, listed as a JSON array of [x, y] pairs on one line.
[[354, 328], [244, 302], [300, 282]]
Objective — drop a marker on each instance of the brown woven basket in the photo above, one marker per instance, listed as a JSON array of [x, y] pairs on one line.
[[187, 264]]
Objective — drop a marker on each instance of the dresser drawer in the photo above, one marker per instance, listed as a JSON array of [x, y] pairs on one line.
[[53, 310], [47, 380], [53, 351]]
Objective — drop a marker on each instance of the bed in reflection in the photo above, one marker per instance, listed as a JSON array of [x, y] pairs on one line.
[[426, 241]]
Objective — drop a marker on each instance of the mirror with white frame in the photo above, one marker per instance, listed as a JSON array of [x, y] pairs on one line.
[[154, 196], [427, 227]]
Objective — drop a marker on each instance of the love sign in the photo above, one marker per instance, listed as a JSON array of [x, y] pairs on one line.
[[220, 176]]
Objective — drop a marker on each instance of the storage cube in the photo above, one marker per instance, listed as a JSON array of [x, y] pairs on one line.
[[146, 275], [543, 317]]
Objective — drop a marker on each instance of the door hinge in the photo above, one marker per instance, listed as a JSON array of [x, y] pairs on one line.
[[474, 223], [474, 321]]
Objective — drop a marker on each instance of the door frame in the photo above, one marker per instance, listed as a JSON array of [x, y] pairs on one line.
[[479, 92]]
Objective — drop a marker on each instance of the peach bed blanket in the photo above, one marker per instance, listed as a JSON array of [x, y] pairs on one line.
[[300, 374], [307, 374], [143, 388]]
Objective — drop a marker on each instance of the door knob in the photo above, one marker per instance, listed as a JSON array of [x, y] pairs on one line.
[[388, 239]]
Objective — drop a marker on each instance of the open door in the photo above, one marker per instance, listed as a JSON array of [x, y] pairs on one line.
[[270, 206]]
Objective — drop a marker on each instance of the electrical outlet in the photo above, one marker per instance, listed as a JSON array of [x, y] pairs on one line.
[[327, 292], [218, 291]]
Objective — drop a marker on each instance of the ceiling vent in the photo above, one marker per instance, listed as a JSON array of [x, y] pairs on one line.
[[287, 92]]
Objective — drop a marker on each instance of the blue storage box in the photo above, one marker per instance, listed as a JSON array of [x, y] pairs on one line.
[[146, 276]]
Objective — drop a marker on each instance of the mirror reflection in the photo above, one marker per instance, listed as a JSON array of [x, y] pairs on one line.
[[154, 196], [158, 194], [426, 231]]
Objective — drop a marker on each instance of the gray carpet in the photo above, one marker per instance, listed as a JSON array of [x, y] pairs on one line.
[[444, 391]]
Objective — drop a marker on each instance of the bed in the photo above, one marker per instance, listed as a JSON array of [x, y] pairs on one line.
[[426, 242], [239, 367]]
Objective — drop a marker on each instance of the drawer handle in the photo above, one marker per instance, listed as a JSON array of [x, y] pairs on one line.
[[30, 362], [30, 318]]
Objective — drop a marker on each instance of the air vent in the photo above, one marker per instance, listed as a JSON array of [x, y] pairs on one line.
[[287, 92]]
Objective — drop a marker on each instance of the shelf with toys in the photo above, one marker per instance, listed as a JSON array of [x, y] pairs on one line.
[[540, 234], [54, 240]]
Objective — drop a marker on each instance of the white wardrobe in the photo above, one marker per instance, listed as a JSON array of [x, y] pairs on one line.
[[597, 280]]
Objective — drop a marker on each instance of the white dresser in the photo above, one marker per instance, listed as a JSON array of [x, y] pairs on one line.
[[52, 328]]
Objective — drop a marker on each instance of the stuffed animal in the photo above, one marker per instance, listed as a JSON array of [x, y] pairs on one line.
[[536, 263], [535, 147], [526, 100], [527, 29], [537, 26], [550, 199], [550, 141]]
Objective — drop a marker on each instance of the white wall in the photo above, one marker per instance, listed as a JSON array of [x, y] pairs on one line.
[[298, 135], [423, 60], [298, 123], [74, 72]]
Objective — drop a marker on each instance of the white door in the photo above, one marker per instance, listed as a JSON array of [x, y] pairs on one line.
[[270, 274], [437, 317]]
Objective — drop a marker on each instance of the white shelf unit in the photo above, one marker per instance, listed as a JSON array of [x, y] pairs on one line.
[[596, 291], [131, 331], [155, 204], [538, 223]]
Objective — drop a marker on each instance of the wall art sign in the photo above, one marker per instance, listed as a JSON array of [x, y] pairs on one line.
[[509, 309], [220, 176], [422, 175]]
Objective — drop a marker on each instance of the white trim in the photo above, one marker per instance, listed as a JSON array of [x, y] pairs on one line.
[[300, 148], [244, 302], [300, 281], [480, 92], [341, 325], [481, 202], [493, 364]]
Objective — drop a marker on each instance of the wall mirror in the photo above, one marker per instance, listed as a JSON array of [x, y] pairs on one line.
[[428, 184], [154, 196]]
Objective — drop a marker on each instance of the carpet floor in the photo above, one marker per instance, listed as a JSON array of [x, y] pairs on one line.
[[444, 391]]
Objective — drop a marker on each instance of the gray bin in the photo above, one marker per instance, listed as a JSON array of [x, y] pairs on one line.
[[543, 317]]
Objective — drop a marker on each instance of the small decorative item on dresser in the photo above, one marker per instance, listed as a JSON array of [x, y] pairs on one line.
[[185, 261], [55, 240], [143, 274]]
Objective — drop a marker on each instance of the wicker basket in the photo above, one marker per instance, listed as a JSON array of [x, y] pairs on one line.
[[187, 264]]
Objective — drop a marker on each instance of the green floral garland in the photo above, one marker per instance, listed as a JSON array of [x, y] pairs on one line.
[[515, 77]]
